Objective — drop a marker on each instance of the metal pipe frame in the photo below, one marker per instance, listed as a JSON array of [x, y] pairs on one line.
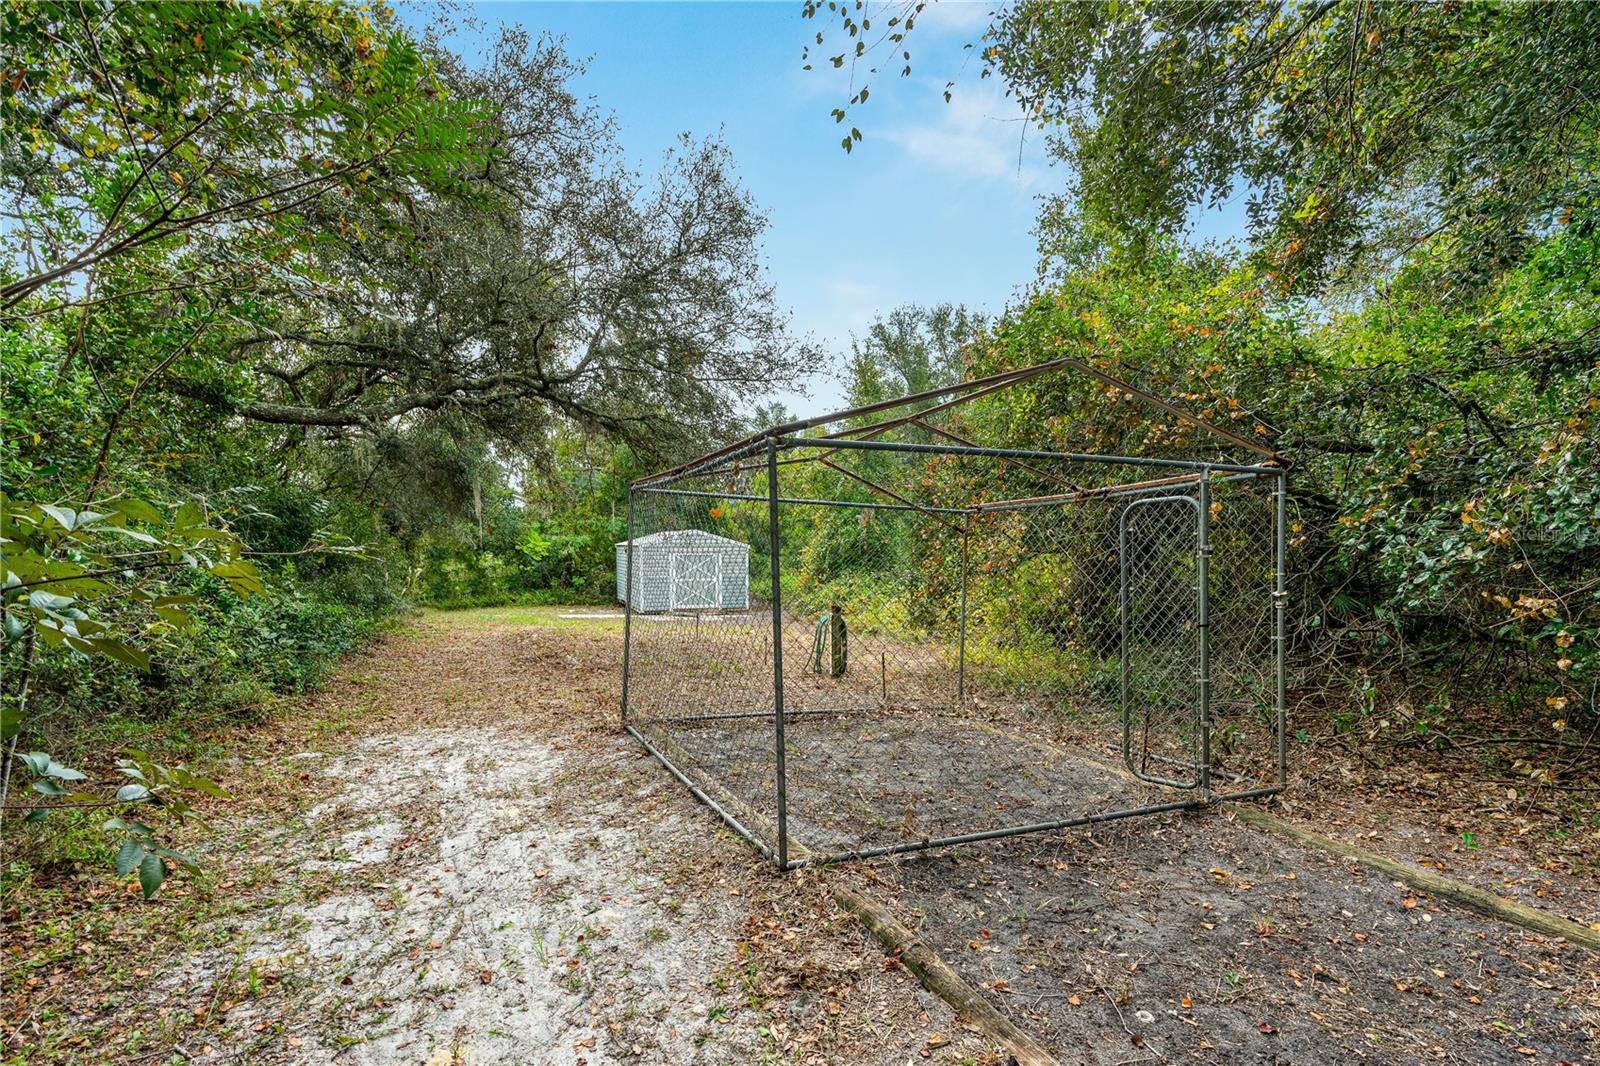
[[875, 487], [731, 454], [1280, 608], [1025, 453], [1022, 503], [865, 505], [963, 391], [961, 639], [776, 551], [877, 429], [804, 712], [908, 847], [1036, 827], [752, 445], [968, 442], [1109, 492], [699, 794], [627, 615], [1203, 630]]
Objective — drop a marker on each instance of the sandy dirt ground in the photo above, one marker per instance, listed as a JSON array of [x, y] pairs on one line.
[[452, 855]]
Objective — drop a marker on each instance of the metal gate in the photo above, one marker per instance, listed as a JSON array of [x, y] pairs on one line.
[[1162, 603]]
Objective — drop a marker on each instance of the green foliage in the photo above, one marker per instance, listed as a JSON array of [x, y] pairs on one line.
[[59, 561], [552, 540], [304, 318], [909, 350], [148, 786], [1446, 482], [266, 125], [156, 212], [1357, 130], [1446, 473]]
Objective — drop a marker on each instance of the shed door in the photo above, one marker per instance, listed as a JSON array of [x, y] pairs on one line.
[[696, 580]]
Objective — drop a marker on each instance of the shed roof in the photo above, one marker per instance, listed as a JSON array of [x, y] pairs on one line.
[[668, 535]]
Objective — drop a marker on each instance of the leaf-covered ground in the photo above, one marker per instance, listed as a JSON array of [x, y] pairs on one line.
[[451, 855]]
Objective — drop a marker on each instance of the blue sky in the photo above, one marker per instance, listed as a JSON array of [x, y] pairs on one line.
[[931, 206], [936, 204]]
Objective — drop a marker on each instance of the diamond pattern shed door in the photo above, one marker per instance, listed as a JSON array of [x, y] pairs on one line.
[[696, 580]]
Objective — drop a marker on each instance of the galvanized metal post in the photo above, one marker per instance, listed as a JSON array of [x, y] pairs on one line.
[[1280, 609], [1203, 626], [1122, 640], [782, 843], [627, 612], [961, 640]]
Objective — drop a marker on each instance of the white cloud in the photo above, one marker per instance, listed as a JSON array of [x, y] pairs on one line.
[[979, 134], [848, 308]]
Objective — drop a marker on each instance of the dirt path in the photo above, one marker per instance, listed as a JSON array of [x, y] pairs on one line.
[[451, 855]]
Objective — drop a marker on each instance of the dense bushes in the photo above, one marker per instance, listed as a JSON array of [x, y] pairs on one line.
[[1447, 461], [553, 540], [228, 666], [1446, 480], [520, 560]]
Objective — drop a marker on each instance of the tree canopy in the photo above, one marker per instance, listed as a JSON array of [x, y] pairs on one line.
[[1356, 130]]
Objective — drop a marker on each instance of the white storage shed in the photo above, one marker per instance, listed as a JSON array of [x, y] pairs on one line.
[[684, 569]]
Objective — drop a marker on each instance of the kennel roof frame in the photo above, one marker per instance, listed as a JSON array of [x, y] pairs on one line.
[[914, 410]]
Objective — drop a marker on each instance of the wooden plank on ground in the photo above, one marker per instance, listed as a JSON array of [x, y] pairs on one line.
[[1474, 899], [937, 976]]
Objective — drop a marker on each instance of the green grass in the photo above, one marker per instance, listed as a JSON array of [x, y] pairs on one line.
[[545, 616]]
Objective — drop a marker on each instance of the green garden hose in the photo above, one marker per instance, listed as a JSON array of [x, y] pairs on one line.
[[831, 632]]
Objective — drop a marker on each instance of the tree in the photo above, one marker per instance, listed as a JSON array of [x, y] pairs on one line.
[[171, 171], [231, 135], [568, 288], [1357, 130], [911, 349]]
